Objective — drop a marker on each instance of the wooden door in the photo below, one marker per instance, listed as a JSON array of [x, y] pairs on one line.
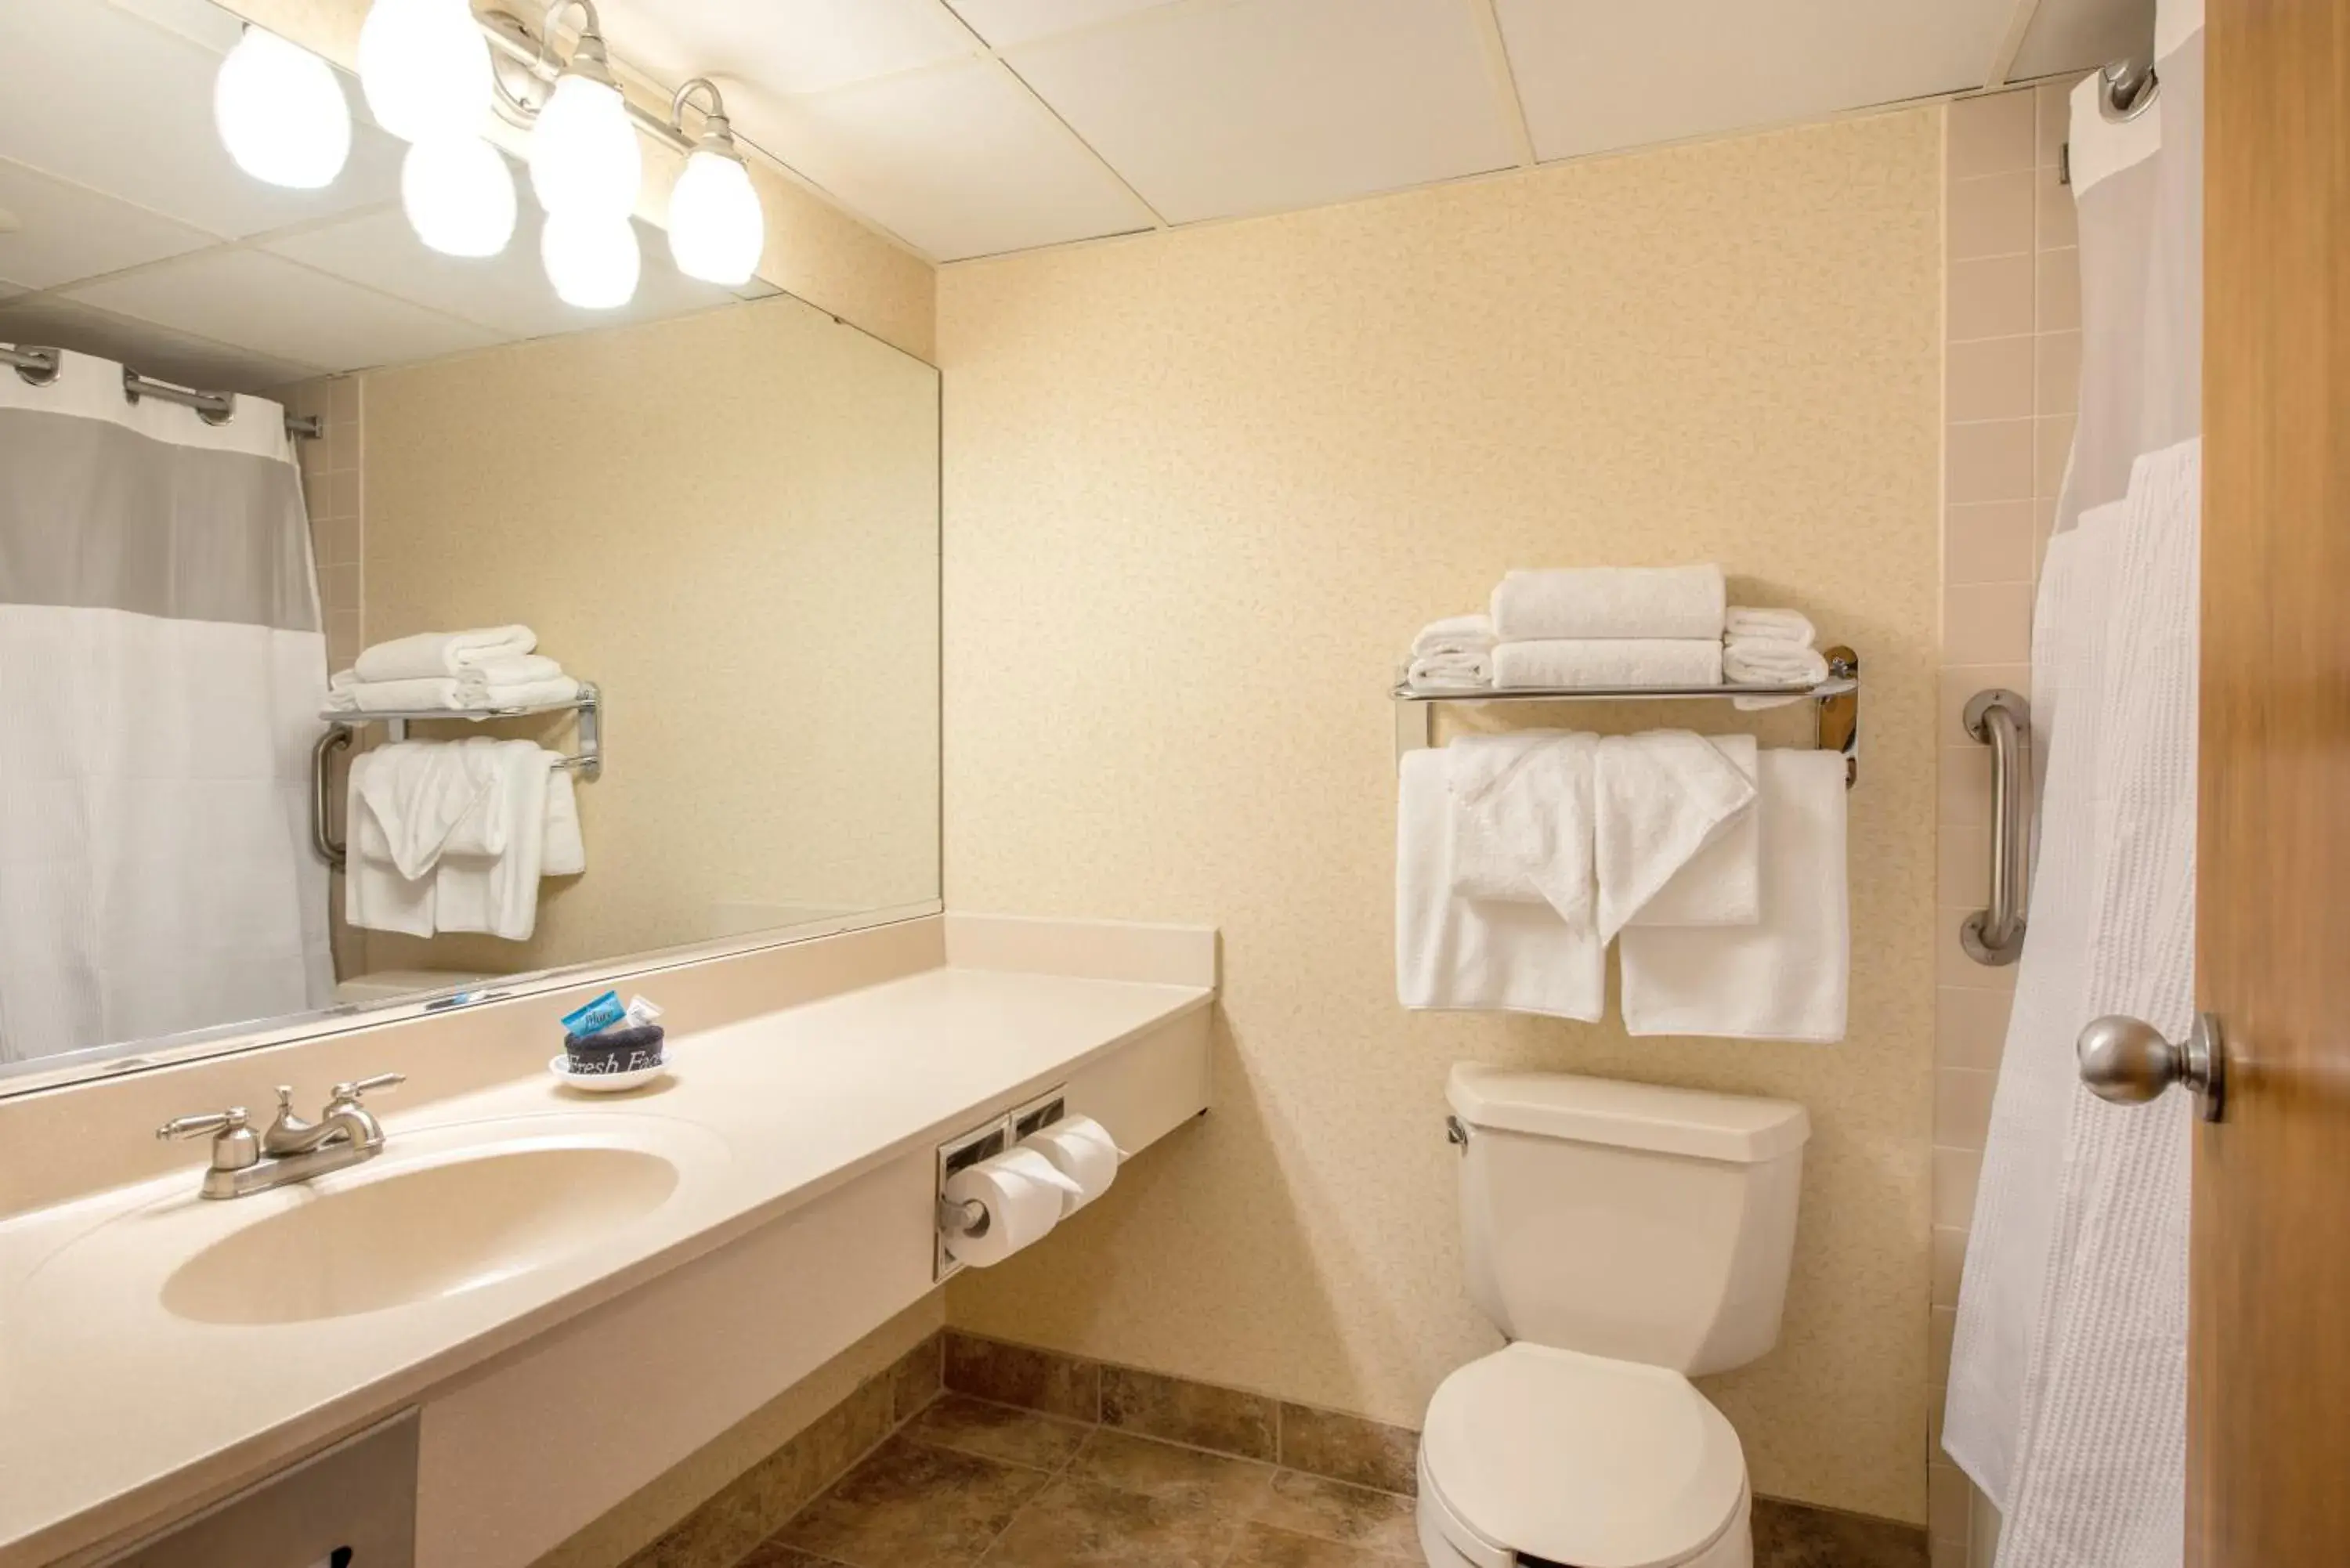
[[2268, 1369]]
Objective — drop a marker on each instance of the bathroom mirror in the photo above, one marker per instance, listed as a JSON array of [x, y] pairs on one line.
[[715, 507]]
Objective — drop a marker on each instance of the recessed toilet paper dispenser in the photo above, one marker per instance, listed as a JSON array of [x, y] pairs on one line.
[[1003, 1184]]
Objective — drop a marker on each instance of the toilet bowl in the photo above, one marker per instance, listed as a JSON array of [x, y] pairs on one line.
[[1627, 1238]]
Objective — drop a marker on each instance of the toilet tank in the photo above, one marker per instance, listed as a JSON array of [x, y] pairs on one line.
[[1627, 1221]]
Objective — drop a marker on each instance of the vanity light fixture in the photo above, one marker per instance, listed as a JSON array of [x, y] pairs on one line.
[[281, 113], [591, 259], [459, 195], [584, 157], [716, 228], [425, 68]]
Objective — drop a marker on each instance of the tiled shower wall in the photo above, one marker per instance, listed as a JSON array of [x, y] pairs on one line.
[[2012, 367], [330, 488]]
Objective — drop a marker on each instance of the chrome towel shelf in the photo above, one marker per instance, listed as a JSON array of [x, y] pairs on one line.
[[1835, 723], [343, 724]]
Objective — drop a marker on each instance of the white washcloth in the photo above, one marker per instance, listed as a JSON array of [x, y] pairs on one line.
[[1449, 671], [1452, 953], [1773, 663], [1521, 819], [1658, 798], [1743, 623], [566, 846], [1454, 634], [1722, 882], [1608, 661], [430, 654], [1611, 601], [1784, 977], [487, 878]]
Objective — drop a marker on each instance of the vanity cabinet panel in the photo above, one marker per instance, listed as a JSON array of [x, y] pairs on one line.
[[353, 1506]]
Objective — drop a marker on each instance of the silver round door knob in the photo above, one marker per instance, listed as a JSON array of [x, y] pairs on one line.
[[2128, 1061]]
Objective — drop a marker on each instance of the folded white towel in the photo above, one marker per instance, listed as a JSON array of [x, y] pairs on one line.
[[1521, 819], [566, 847], [1449, 671], [525, 694], [437, 653], [1742, 623], [513, 669], [456, 693], [1608, 661], [1453, 953], [1721, 886], [1787, 976], [1610, 601], [496, 890], [1772, 664], [1454, 634], [1658, 798]]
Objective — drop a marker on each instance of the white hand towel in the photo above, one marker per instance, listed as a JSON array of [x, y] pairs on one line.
[[1785, 977], [1454, 634], [1608, 661], [1610, 601], [1773, 663], [1521, 819], [525, 694], [566, 846], [1658, 798], [1452, 953], [495, 891], [412, 796], [1743, 623], [1721, 884], [431, 654], [513, 670], [1449, 671]]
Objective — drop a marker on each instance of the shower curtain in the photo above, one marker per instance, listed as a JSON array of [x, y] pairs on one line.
[[2068, 1374], [161, 672]]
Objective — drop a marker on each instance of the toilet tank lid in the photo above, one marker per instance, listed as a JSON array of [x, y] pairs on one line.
[[1732, 1127]]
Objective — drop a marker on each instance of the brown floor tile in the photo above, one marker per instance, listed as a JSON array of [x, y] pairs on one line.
[[1333, 1510], [1201, 1414], [1263, 1546], [910, 1506], [972, 1425], [1793, 1535], [1020, 1375], [1155, 1468], [1076, 1524], [1350, 1448], [774, 1554]]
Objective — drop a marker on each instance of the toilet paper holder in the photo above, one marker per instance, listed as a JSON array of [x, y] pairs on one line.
[[968, 1147]]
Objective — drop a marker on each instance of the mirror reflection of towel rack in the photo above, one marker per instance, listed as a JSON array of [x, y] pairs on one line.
[[1835, 724], [343, 726]]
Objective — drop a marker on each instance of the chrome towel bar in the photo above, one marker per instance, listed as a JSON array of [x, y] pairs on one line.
[[2002, 720]]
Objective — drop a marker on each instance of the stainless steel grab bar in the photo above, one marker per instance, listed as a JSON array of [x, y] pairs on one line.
[[2002, 719], [337, 737]]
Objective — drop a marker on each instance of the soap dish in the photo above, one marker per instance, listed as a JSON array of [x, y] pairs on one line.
[[604, 1083]]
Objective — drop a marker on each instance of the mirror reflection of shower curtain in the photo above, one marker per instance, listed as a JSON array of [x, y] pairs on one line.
[[162, 671], [2068, 1374]]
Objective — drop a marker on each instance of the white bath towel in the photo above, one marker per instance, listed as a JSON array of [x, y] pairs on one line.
[[1787, 976], [1608, 661], [1454, 634], [1453, 953], [409, 798], [566, 844], [430, 654], [1521, 819], [488, 874], [1657, 799], [513, 669], [1743, 623], [1721, 884], [1770, 662], [1610, 602], [457, 694]]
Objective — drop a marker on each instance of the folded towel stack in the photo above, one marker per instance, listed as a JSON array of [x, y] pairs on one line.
[[1770, 648], [490, 667], [1453, 653], [1608, 625]]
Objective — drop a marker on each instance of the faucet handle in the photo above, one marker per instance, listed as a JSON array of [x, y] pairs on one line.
[[224, 1122], [351, 1092]]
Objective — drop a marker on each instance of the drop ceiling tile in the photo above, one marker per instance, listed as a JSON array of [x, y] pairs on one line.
[[785, 45], [55, 322], [1007, 22], [274, 307], [63, 231], [960, 160], [1216, 110], [506, 293], [1598, 75], [107, 100], [2078, 35]]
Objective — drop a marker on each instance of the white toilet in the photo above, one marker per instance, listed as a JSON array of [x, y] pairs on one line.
[[1625, 1237]]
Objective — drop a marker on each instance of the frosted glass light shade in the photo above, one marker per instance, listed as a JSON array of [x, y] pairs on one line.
[[584, 157], [425, 68], [716, 229], [591, 260], [281, 112], [459, 195]]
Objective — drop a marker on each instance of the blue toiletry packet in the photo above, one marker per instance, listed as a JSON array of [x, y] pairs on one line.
[[598, 1014]]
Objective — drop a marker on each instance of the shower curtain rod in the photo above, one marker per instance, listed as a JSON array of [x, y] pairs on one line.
[[38, 367]]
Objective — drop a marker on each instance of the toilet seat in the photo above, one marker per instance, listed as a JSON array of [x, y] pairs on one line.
[[1579, 1459]]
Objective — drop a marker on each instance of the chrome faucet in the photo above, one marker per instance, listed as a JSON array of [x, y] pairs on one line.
[[292, 1150]]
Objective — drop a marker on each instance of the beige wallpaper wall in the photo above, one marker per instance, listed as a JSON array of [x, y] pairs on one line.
[[729, 522], [1202, 488]]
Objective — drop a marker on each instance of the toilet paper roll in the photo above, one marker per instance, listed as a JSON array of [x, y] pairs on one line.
[[1022, 1193], [1081, 1149]]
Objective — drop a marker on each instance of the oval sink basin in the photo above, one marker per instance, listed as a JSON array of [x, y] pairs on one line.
[[418, 1234]]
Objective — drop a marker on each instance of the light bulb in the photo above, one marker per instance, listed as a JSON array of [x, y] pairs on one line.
[[716, 230], [459, 195], [281, 112], [425, 68], [584, 157], [591, 260]]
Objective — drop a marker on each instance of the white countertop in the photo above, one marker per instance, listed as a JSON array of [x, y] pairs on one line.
[[112, 1408]]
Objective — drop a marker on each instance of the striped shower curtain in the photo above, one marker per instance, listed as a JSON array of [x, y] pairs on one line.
[[161, 672]]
